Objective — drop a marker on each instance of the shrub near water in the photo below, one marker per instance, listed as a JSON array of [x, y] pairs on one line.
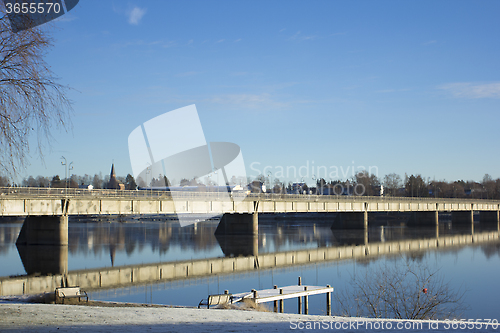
[[403, 289]]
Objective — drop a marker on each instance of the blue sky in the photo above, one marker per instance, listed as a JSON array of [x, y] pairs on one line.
[[401, 86]]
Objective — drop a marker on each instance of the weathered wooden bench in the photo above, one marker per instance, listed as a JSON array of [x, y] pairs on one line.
[[213, 300], [70, 292]]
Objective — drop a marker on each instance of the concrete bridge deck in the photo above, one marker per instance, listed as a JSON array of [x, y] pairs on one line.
[[44, 201]]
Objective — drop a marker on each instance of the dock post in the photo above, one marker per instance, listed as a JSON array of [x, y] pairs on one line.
[[282, 302], [275, 302], [306, 302], [254, 294], [328, 302], [299, 299]]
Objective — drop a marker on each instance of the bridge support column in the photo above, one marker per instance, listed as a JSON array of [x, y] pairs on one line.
[[354, 220], [424, 218], [489, 217], [44, 230], [238, 224], [238, 245], [255, 223], [462, 217], [44, 259]]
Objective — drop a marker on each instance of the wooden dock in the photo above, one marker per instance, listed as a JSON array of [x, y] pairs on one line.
[[301, 292]]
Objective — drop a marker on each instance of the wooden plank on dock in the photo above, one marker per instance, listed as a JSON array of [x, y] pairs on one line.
[[269, 295]]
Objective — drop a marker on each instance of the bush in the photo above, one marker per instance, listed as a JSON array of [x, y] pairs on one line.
[[403, 289]]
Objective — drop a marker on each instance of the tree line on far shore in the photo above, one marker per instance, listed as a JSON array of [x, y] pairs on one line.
[[98, 181], [392, 184]]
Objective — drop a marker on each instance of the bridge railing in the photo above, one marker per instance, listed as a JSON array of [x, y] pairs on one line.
[[76, 192], [333, 197], [43, 192]]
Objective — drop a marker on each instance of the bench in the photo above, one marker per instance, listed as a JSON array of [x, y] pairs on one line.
[[213, 300], [70, 292]]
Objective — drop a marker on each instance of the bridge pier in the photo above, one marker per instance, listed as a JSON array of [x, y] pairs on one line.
[[44, 259], [429, 218], [462, 217], [354, 220], [239, 245], [44, 230], [238, 224]]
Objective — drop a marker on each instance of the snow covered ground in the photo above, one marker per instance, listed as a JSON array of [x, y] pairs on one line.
[[74, 318]]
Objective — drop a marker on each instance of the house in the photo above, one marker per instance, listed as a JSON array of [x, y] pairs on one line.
[[87, 187]]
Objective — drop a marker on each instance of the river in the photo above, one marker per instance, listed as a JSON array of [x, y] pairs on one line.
[[94, 243]]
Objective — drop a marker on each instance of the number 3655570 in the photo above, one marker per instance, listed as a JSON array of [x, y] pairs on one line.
[[33, 8]]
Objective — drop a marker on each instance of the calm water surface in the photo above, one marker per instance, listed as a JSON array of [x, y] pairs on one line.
[[95, 244]]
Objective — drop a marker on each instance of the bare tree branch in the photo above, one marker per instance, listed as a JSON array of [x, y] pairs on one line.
[[31, 99]]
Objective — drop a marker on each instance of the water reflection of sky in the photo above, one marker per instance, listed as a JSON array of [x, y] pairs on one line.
[[117, 244], [103, 244], [468, 268]]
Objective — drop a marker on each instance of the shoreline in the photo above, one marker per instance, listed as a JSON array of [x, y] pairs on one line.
[[17, 316]]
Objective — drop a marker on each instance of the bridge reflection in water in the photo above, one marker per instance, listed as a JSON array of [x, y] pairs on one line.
[[47, 266]]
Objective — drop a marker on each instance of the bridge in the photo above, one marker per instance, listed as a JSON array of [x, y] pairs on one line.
[[47, 209]]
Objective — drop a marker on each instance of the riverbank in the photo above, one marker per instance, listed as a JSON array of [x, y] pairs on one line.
[[16, 317]]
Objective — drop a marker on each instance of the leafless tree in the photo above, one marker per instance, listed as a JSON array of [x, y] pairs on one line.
[[393, 183], [369, 181], [31, 99], [404, 289], [97, 181], [4, 181], [42, 181], [141, 182], [489, 186]]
